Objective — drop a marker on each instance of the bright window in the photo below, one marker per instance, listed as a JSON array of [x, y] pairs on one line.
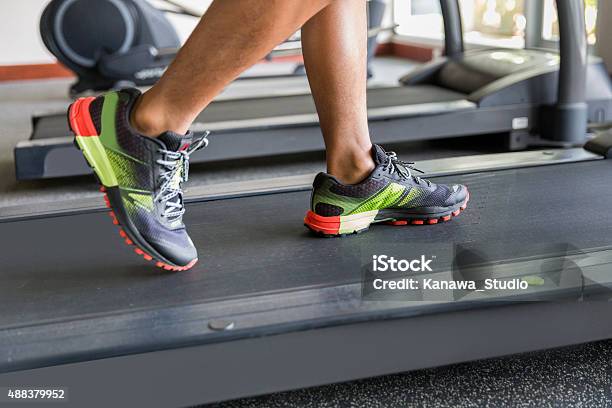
[[419, 18], [494, 22], [550, 26], [487, 22]]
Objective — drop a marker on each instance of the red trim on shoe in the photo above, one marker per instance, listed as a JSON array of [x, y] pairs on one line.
[[325, 225], [331, 225], [80, 118], [82, 125]]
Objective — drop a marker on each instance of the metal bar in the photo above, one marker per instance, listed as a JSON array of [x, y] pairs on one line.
[[574, 52], [453, 28], [566, 121], [534, 14]]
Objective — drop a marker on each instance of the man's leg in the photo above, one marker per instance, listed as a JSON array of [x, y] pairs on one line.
[[335, 55], [142, 175], [335, 44], [232, 36]]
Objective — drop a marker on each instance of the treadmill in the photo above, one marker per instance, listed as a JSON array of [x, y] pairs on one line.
[[271, 307], [493, 91]]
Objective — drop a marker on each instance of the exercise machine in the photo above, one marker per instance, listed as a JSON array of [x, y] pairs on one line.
[[511, 94], [267, 294], [111, 44]]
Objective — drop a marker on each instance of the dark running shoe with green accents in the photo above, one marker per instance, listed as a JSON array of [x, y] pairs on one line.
[[141, 176], [389, 194]]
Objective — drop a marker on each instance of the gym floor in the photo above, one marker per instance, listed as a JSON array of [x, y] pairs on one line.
[[578, 376], [575, 376]]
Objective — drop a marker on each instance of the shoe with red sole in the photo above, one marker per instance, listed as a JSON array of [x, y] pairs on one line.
[[390, 194], [140, 176]]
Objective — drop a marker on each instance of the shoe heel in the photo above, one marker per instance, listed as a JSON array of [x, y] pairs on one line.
[[340, 225], [79, 119], [88, 141]]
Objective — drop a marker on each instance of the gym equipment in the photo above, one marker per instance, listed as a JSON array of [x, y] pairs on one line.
[[116, 43], [266, 293], [508, 93], [111, 42]]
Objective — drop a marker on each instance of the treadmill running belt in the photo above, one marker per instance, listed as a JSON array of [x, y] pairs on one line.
[[227, 110], [74, 266]]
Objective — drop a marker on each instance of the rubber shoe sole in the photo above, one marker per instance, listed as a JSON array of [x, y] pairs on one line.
[[340, 226]]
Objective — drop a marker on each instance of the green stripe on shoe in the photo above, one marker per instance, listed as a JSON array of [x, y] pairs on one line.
[[383, 199], [109, 117], [95, 155]]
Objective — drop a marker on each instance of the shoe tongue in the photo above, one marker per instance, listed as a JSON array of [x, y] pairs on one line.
[[379, 155], [175, 142]]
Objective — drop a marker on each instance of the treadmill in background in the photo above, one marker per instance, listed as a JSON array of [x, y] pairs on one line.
[[506, 92]]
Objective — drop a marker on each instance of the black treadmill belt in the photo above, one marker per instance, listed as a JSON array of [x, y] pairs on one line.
[[70, 267], [221, 111], [303, 104]]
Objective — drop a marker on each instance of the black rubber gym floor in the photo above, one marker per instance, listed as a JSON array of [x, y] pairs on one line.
[[577, 376], [70, 267]]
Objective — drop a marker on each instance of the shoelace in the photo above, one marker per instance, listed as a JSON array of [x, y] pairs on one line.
[[403, 168], [170, 192]]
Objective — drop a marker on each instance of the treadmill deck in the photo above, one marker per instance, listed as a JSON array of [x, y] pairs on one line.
[[76, 301], [74, 266]]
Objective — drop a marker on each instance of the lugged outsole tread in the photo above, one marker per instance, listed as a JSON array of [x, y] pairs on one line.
[[137, 249], [122, 233], [398, 223]]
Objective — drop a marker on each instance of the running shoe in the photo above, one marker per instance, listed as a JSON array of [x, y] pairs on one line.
[[391, 194], [140, 176]]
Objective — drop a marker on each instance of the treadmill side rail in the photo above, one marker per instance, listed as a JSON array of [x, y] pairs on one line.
[[248, 143], [433, 168]]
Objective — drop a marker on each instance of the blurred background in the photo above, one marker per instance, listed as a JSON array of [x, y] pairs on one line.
[[508, 23]]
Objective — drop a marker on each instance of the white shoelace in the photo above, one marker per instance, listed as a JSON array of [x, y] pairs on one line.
[[404, 169], [173, 164]]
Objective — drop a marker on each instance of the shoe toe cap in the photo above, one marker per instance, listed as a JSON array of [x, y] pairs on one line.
[[175, 246], [459, 194]]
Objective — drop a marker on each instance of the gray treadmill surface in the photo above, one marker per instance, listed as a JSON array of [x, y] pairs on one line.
[[253, 108], [75, 266]]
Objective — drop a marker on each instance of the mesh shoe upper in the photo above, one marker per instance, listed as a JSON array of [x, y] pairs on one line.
[[149, 172], [391, 185]]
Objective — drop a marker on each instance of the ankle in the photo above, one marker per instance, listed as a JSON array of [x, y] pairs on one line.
[[150, 119], [351, 167]]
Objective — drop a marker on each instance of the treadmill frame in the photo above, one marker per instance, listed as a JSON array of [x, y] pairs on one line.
[[478, 113], [341, 347], [198, 374], [215, 351], [433, 168]]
